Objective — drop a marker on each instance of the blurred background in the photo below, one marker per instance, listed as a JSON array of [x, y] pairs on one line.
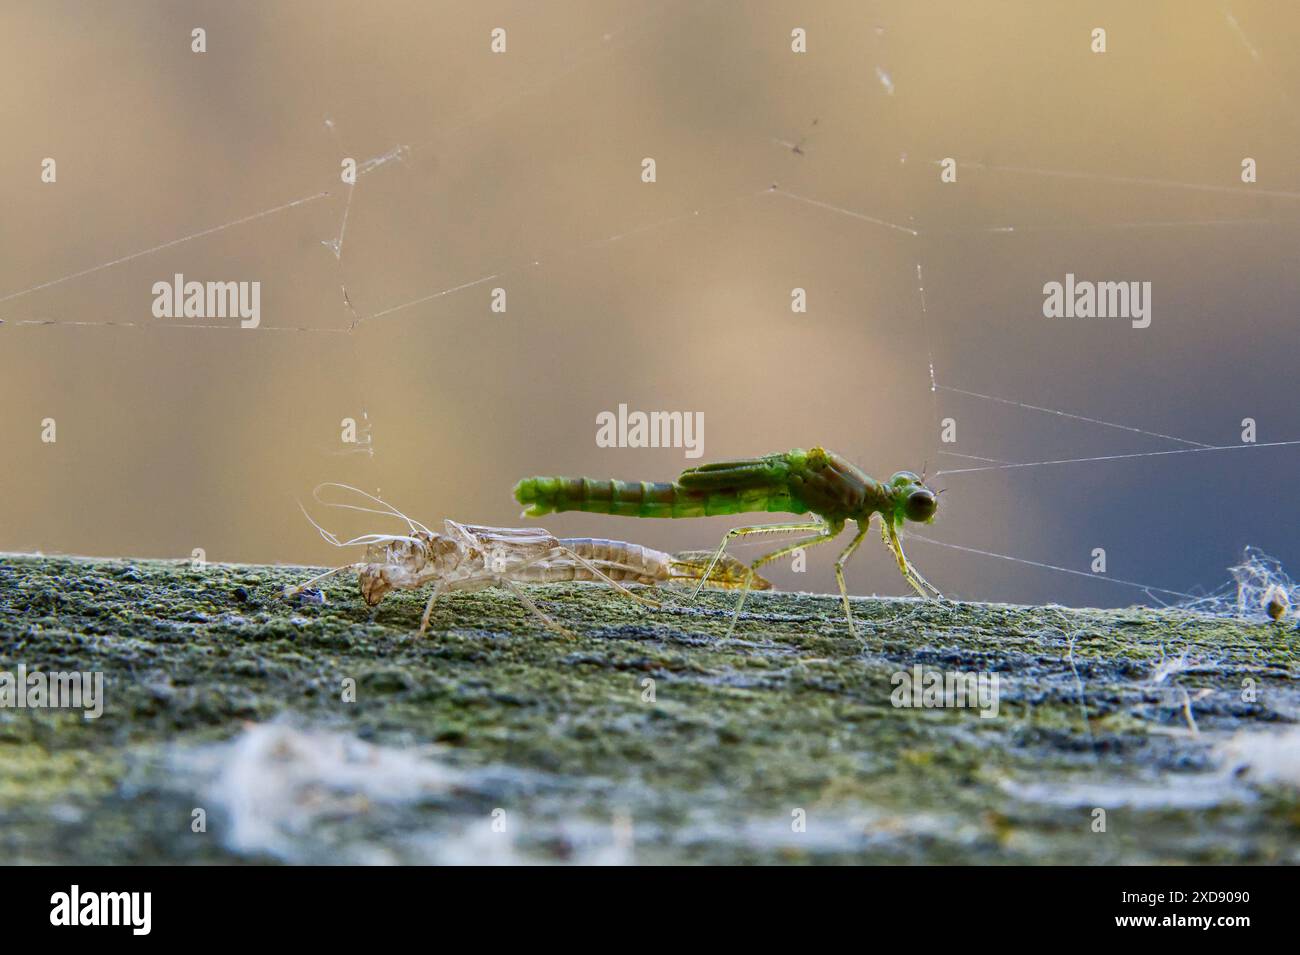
[[522, 170]]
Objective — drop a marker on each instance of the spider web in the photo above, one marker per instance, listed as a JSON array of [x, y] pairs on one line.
[[842, 148]]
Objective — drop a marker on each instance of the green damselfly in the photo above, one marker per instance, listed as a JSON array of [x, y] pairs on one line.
[[817, 482]]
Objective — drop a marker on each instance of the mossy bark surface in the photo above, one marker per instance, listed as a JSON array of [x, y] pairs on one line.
[[652, 730]]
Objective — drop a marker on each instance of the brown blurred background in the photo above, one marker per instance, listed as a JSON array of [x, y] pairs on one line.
[[520, 166]]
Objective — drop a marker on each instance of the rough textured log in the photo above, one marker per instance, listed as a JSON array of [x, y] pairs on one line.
[[491, 712]]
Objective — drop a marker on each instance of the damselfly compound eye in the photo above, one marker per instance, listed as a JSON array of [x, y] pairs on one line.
[[921, 505]]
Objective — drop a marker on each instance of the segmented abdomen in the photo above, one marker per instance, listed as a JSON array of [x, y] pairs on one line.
[[633, 563], [618, 560], [544, 495]]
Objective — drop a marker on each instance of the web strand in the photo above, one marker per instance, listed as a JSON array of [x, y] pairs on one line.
[[166, 245], [1247, 192], [1077, 417], [1122, 457], [840, 210], [1064, 570]]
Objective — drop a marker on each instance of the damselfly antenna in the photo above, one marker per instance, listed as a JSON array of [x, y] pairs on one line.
[[388, 509], [331, 538]]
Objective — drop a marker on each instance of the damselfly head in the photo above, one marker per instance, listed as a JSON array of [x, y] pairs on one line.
[[916, 501], [374, 582], [389, 565], [402, 563]]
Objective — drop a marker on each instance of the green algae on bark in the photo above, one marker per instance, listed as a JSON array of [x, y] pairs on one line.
[[778, 744]]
